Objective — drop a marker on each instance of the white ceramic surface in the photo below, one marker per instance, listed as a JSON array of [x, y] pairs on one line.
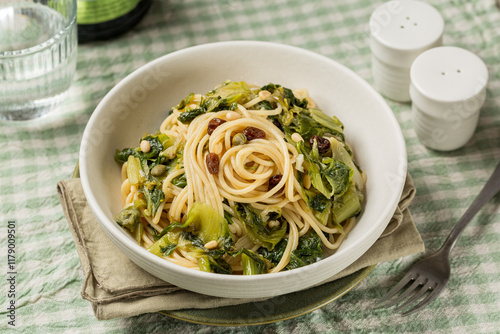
[[448, 88], [400, 30], [141, 101]]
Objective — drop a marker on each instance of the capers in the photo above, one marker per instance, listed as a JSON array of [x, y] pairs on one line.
[[158, 170], [239, 139]]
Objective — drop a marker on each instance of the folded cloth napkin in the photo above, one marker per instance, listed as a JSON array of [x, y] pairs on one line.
[[117, 287]]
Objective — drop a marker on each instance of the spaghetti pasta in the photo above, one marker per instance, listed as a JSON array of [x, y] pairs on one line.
[[226, 168]]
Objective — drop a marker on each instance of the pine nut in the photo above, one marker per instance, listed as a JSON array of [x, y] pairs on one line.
[[145, 146], [211, 244]]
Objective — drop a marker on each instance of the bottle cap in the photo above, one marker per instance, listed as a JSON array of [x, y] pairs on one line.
[[400, 31], [448, 88]]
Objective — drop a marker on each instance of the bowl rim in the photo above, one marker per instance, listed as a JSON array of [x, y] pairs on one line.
[[108, 226]]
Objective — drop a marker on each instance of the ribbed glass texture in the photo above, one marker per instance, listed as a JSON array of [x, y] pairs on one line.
[[38, 48]]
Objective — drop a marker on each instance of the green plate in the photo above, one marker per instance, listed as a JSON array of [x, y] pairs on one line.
[[275, 309]]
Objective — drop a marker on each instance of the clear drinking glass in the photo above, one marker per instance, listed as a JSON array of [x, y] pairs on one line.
[[38, 48]]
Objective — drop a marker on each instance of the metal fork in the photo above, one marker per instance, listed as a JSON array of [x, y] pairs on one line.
[[428, 277]]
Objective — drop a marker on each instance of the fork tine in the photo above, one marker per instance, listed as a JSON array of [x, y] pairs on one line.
[[402, 283], [418, 281], [433, 295], [416, 296]]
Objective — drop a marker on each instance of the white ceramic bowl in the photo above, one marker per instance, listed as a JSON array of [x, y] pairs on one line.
[[141, 101]]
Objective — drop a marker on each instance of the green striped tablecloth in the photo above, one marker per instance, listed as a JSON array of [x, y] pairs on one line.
[[34, 156]]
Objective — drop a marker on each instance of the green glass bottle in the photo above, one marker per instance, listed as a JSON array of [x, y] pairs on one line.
[[105, 19]]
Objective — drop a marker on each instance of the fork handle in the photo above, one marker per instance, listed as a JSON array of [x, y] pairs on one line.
[[489, 190]]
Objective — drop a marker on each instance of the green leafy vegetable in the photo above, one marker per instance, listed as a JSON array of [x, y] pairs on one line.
[[154, 197], [340, 153], [184, 102], [255, 229], [135, 173], [164, 243], [293, 101], [327, 175], [167, 229], [266, 105], [179, 181], [253, 264], [122, 156], [232, 91], [220, 266], [309, 250], [319, 202], [128, 218], [168, 249], [194, 245], [139, 231], [274, 255], [332, 123], [207, 224], [338, 175], [347, 205], [187, 116], [156, 147], [319, 205], [204, 264]]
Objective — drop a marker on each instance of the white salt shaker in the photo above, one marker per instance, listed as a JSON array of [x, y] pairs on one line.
[[400, 30], [448, 88]]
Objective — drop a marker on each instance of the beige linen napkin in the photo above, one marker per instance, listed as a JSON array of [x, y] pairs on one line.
[[117, 287]]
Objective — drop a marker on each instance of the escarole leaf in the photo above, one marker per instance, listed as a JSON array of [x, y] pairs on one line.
[[347, 206], [164, 246], [309, 250], [232, 91], [123, 155], [274, 255], [340, 153], [255, 229], [128, 218], [293, 101], [207, 224], [188, 115], [320, 205], [332, 123], [179, 181], [156, 145], [185, 102], [338, 174], [252, 263], [136, 175], [330, 177], [309, 122], [226, 96], [211, 260]]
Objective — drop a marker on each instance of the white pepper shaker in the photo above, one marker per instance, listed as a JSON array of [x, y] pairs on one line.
[[401, 30], [448, 88]]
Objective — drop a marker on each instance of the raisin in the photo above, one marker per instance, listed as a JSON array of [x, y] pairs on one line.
[[213, 124], [273, 182], [212, 160], [254, 133], [323, 143]]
